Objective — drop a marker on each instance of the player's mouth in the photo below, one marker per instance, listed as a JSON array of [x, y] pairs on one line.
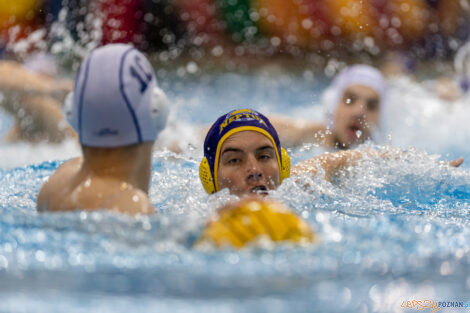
[[260, 189]]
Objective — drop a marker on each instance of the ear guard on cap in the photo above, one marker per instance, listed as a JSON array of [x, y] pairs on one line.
[[159, 110], [285, 166], [206, 176], [67, 110], [208, 181]]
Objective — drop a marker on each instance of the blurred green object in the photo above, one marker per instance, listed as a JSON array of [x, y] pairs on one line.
[[239, 18]]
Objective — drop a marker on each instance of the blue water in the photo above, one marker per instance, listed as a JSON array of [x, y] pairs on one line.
[[390, 230]]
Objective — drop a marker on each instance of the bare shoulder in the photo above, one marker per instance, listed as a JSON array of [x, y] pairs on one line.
[[66, 171], [59, 181], [68, 189], [127, 199]]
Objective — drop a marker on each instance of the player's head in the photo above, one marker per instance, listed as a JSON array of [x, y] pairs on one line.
[[242, 152], [116, 101], [354, 104]]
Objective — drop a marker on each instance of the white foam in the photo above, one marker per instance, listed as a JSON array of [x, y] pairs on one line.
[[20, 154]]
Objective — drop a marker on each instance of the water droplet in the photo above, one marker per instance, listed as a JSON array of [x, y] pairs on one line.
[[192, 67], [87, 183], [446, 269], [40, 256]]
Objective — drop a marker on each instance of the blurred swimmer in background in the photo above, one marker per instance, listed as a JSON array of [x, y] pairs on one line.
[[118, 111], [242, 152], [456, 85], [450, 85], [33, 95], [354, 106]]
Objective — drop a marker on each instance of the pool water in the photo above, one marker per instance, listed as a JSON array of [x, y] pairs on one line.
[[390, 230]]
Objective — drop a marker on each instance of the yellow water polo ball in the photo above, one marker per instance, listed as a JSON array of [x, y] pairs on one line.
[[248, 220]]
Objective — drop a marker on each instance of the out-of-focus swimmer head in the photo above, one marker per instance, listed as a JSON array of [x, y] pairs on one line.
[[354, 104], [242, 152]]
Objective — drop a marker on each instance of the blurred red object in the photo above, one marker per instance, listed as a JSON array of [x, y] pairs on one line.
[[122, 20]]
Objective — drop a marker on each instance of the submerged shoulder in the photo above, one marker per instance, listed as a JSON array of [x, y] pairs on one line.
[[64, 173]]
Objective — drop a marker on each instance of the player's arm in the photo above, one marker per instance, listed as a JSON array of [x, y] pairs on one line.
[[35, 101], [331, 163], [38, 117], [294, 132], [16, 79]]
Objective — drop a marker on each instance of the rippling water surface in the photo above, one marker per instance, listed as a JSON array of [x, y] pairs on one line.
[[389, 230]]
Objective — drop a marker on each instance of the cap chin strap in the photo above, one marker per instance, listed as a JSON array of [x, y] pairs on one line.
[[207, 180], [159, 110]]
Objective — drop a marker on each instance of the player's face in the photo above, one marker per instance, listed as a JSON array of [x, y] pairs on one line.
[[357, 115], [248, 164]]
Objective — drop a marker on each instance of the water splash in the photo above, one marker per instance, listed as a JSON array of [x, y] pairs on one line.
[[401, 217], [387, 227]]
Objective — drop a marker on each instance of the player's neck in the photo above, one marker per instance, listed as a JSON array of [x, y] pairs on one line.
[[131, 164]]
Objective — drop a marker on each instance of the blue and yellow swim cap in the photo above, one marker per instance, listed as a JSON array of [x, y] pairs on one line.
[[227, 125]]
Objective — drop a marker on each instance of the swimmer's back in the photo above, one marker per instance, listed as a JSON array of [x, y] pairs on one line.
[[71, 188]]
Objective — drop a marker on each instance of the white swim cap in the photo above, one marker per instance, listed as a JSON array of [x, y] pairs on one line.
[[360, 74], [116, 101]]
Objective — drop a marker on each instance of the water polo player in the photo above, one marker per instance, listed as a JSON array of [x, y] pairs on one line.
[[354, 107], [242, 152], [118, 111]]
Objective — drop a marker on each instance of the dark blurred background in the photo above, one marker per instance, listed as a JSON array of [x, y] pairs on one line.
[[197, 28]]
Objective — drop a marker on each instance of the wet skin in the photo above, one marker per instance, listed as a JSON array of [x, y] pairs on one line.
[[357, 116], [248, 164]]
